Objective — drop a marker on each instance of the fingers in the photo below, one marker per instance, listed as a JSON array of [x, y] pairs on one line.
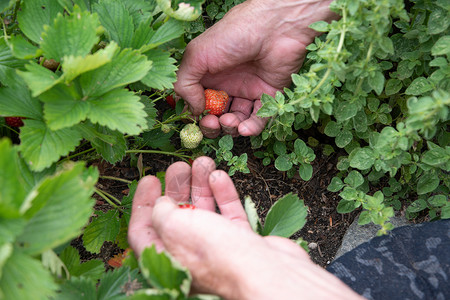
[[210, 126], [253, 125], [140, 232], [201, 193], [178, 182], [227, 198]]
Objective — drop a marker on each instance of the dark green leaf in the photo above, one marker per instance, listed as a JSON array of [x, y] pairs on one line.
[[419, 86], [427, 183], [104, 227], [335, 185], [162, 74]]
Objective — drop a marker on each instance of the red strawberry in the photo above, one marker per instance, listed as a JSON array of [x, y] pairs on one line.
[[171, 101], [216, 101], [14, 121], [186, 206]]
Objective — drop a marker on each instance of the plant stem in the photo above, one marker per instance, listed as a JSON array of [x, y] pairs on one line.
[[107, 197], [116, 178]]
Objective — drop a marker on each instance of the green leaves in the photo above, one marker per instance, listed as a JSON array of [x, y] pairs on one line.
[[103, 228], [285, 217], [182, 10]]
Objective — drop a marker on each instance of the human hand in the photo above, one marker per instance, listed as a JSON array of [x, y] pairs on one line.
[[225, 257], [253, 50]]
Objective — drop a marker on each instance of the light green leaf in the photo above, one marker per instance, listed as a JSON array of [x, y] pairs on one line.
[[119, 110], [162, 75], [320, 26], [188, 10], [332, 129], [38, 78], [362, 158], [92, 269], [17, 101], [343, 138], [117, 21], [442, 46], [34, 14], [349, 193], [163, 272], [22, 49], [305, 171], [12, 193], [354, 179], [345, 111], [73, 66], [419, 86], [126, 67], [167, 32], [438, 21], [8, 65], [6, 4], [427, 183], [335, 185], [285, 217], [41, 146], [25, 278], [60, 209], [63, 107], [377, 82], [77, 288], [252, 214], [72, 35], [345, 206], [283, 163], [104, 227]]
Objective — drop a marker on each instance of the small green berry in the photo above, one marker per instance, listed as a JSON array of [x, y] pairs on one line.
[[191, 136]]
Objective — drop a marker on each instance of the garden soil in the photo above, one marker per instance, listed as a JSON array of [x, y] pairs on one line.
[[324, 228]]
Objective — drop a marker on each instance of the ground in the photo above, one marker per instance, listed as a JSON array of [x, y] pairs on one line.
[[325, 227]]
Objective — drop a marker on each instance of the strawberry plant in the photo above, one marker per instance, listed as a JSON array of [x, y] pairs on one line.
[[378, 82]]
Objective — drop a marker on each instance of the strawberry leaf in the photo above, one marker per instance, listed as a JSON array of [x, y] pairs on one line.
[[61, 207], [126, 67], [12, 193], [8, 65], [25, 278], [167, 32], [17, 101], [41, 146], [72, 35], [34, 14], [117, 21], [23, 49], [63, 107], [104, 227], [162, 75], [92, 269], [119, 110], [38, 78]]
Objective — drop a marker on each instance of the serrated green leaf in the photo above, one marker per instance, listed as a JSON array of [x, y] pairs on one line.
[[34, 14], [163, 272], [157, 139], [427, 183], [117, 21], [110, 144], [77, 288], [72, 35], [168, 31], [104, 227], [12, 193], [8, 65], [63, 107], [442, 46], [252, 214], [38, 78], [188, 10], [25, 278], [162, 74], [22, 49], [73, 66], [92, 269], [17, 101], [285, 217], [60, 209], [112, 283], [127, 66], [142, 34], [119, 110], [41, 146], [320, 26]]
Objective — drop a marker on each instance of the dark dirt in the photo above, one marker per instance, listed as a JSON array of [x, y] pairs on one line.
[[264, 185]]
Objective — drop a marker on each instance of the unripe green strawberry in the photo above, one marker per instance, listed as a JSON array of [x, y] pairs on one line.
[[191, 136], [215, 101], [166, 128]]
